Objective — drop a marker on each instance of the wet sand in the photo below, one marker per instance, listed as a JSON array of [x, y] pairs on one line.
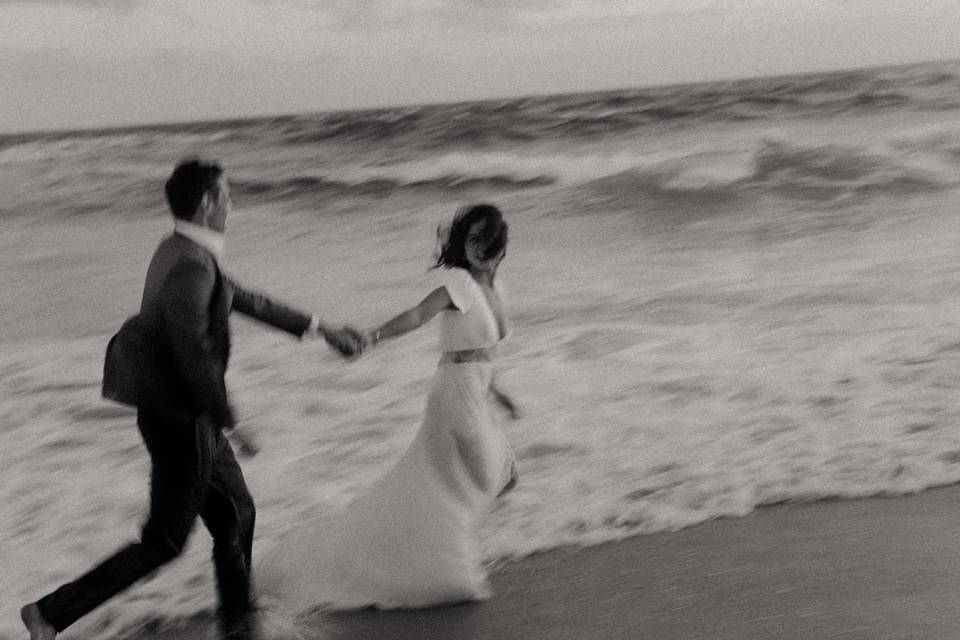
[[875, 568]]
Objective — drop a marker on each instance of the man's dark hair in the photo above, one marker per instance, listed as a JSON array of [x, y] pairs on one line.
[[493, 234], [187, 184]]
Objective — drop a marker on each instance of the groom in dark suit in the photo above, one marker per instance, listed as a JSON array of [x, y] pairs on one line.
[[170, 362]]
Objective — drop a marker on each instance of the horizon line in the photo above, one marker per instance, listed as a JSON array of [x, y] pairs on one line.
[[251, 117]]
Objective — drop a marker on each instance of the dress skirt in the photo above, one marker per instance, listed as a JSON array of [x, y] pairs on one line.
[[410, 540]]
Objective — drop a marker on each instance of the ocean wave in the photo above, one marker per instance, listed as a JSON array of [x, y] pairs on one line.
[[590, 115], [779, 165], [932, 139], [573, 116], [826, 171], [448, 173], [47, 148], [791, 168], [303, 185], [63, 148], [350, 126], [501, 145], [774, 164], [698, 171], [584, 116]]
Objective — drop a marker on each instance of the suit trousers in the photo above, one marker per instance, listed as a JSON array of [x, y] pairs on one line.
[[193, 473]]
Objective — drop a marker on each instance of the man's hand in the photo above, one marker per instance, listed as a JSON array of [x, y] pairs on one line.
[[243, 441], [362, 338]]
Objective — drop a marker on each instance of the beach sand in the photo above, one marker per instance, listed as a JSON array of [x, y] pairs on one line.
[[874, 568]]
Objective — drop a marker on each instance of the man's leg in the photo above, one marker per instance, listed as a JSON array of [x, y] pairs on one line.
[[180, 473], [229, 515]]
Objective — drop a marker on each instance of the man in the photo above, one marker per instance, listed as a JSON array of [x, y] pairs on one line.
[[170, 362]]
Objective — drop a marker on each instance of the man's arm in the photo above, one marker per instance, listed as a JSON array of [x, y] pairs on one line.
[[276, 314], [186, 302], [260, 307]]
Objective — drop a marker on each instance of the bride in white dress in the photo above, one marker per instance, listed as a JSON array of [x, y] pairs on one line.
[[410, 540]]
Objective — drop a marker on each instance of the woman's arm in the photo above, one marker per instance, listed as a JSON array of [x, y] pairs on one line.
[[414, 318]]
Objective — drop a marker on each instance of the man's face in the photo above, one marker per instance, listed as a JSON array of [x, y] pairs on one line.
[[219, 206]]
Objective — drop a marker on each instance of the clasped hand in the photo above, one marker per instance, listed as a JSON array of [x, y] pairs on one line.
[[349, 342]]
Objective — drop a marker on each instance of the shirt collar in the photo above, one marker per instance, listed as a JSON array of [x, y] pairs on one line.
[[207, 238]]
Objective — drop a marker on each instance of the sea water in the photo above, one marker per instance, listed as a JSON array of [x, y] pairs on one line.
[[722, 296]]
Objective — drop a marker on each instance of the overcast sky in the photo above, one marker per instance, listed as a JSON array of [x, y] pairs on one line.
[[77, 63]]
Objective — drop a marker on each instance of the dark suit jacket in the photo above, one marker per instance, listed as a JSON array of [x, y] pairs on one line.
[[172, 357]]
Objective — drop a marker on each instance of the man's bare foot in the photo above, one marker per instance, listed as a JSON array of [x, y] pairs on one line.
[[39, 628]]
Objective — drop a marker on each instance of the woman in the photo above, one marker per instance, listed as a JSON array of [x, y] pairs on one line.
[[410, 540]]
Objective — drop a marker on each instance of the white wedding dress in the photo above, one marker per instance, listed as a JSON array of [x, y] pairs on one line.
[[410, 540]]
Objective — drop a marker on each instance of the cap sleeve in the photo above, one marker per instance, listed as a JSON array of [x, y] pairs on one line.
[[458, 286]]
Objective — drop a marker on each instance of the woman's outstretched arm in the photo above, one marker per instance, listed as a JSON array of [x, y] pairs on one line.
[[413, 318]]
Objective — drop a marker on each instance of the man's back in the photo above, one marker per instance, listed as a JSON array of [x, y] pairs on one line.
[[171, 251], [184, 313]]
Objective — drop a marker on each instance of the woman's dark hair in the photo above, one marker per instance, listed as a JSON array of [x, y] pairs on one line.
[[187, 184], [493, 235]]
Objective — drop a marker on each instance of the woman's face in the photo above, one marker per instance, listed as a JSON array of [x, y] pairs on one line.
[[476, 248]]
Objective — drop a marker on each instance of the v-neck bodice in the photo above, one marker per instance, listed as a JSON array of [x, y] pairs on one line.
[[474, 323]]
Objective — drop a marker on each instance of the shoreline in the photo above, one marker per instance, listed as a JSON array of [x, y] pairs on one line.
[[868, 568]]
